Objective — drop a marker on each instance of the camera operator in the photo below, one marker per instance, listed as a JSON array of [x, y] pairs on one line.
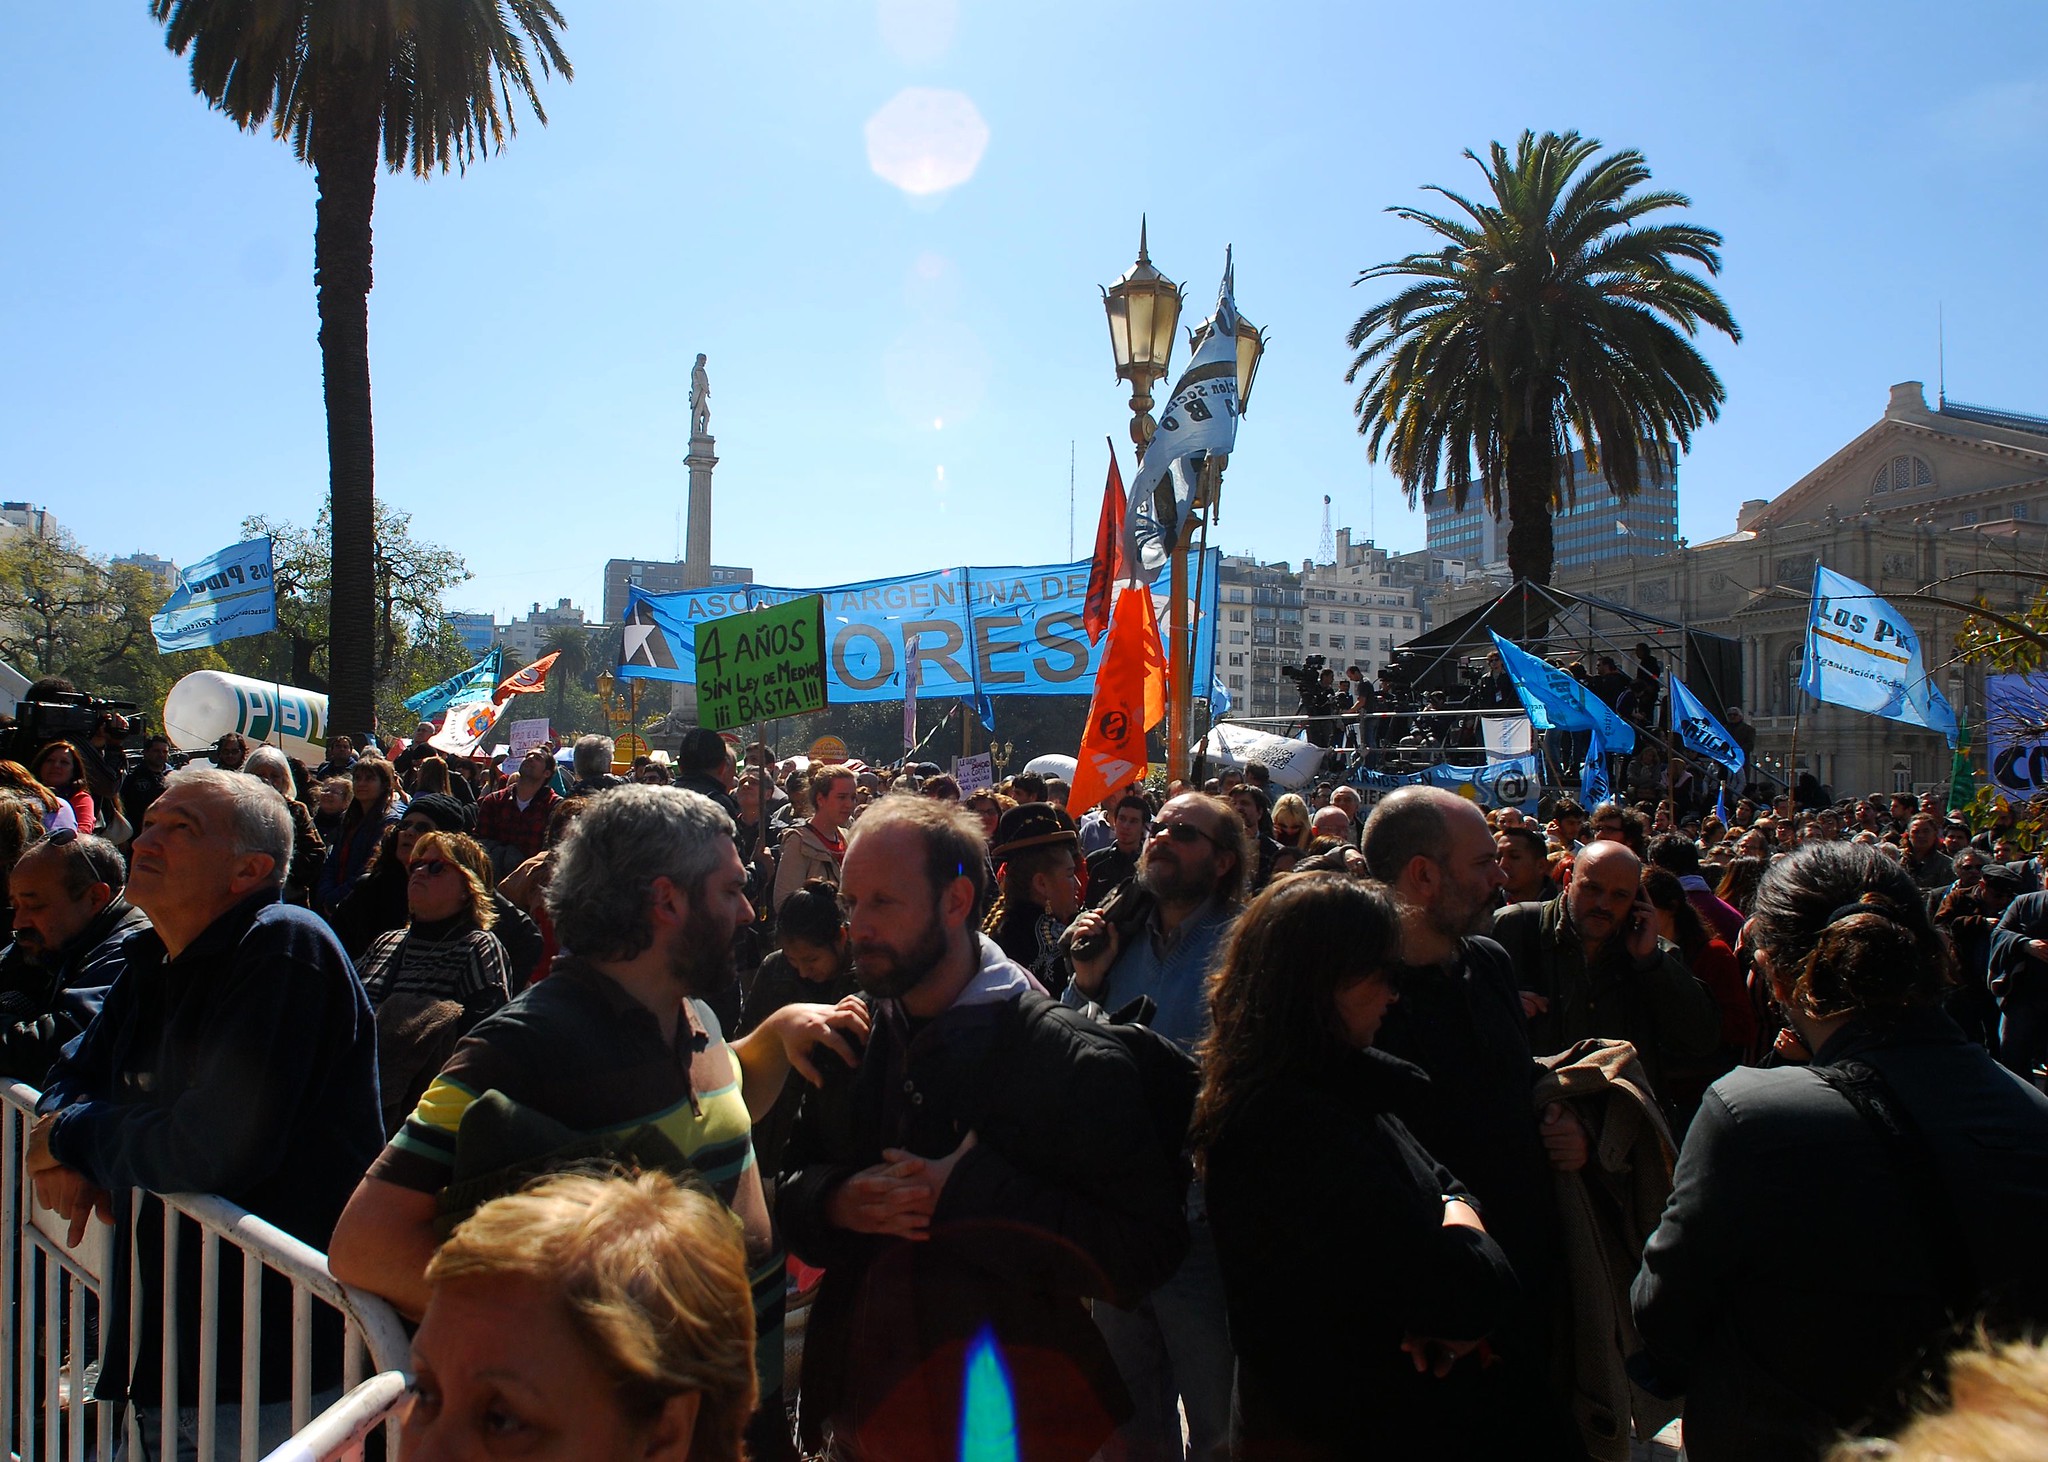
[[1318, 697]]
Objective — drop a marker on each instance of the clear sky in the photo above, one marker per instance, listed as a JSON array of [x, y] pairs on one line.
[[897, 376]]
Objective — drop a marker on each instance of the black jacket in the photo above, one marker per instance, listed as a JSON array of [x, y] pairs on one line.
[[246, 1067], [1789, 1285], [1068, 1196], [1329, 1226], [1462, 1024], [46, 1002]]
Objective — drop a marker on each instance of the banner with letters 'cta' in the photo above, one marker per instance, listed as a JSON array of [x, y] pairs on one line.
[[976, 632]]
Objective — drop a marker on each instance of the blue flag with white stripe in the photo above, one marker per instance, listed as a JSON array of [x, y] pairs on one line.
[[1700, 732], [1557, 701], [473, 684], [1861, 653], [222, 597]]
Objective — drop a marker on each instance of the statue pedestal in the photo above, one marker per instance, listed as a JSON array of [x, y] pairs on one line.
[[697, 543]]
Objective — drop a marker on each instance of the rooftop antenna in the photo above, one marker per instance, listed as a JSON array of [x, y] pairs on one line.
[[1326, 550], [1941, 353]]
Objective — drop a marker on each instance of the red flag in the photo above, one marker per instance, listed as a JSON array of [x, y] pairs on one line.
[[1130, 699], [524, 682], [1108, 566]]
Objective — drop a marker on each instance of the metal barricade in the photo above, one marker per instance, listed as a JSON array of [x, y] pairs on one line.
[[55, 1312]]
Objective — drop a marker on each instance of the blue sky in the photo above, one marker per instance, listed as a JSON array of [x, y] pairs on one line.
[[896, 378]]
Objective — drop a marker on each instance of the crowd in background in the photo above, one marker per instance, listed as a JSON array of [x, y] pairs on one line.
[[1221, 1120]]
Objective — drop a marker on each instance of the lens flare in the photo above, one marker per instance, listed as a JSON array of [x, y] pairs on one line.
[[988, 1411], [926, 141]]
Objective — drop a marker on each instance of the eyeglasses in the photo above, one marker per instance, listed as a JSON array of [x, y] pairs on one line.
[[431, 867], [1182, 832]]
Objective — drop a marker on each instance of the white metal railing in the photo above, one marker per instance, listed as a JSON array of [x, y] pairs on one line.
[[55, 1317]]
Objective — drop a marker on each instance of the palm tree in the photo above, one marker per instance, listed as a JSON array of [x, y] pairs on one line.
[[353, 83], [1552, 316], [572, 645]]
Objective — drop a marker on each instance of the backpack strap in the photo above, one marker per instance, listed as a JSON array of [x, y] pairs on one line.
[[1905, 1146]]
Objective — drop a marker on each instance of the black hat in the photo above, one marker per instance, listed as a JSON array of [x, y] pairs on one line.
[[2004, 877], [702, 749], [1033, 825], [443, 811]]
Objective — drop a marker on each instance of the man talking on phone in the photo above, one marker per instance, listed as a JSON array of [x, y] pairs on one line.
[[1590, 963]]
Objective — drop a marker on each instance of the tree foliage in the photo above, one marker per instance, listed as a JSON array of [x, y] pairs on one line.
[[414, 645], [1555, 314], [65, 612]]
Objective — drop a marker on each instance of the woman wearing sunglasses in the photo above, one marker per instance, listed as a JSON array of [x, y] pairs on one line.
[[439, 975]]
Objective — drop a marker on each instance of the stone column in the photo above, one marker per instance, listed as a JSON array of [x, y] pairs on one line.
[[697, 544]]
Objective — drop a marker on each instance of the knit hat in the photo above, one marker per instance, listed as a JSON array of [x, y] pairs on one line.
[[443, 811], [1033, 825]]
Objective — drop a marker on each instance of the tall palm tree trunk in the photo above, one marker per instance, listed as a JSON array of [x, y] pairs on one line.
[[1531, 473], [344, 146]]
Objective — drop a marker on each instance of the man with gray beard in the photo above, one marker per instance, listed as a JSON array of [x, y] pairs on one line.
[[988, 1169], [617, 1041]]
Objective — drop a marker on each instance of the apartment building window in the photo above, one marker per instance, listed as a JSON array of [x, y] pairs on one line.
[[1407, 621], [1237, 616], [1336, 642], [1315, 616], [1237, 659], [1237, 637], [1337, 615], [1315, 642], [1386, 621], [1237, 682]]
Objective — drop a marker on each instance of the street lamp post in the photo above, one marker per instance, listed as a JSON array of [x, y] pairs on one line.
[[1144, 312]]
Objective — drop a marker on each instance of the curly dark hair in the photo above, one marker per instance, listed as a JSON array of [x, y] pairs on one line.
[[1272, 1000]]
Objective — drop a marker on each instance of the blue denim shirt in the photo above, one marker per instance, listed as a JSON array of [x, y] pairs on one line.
[[1171, 968]]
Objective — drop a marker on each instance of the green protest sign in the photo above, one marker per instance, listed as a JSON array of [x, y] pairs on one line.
[[761, 665]]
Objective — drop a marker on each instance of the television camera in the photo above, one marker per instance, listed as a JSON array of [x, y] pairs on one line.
[[69, 716]]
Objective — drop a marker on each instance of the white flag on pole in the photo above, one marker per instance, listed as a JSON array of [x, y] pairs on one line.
[[1200, 418]]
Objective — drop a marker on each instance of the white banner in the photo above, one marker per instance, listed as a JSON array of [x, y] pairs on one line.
[[1292, 764], [1508, 735], [523, 736], [466, 727]]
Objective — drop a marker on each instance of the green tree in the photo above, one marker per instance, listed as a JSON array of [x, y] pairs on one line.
[[414, 645], [353, 83], [1553, 317], [65, 612], [571, 648]]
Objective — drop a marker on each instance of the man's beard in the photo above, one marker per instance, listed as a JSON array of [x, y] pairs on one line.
[[1173, 884], [1454, 919], [892, 973], [701, 961]]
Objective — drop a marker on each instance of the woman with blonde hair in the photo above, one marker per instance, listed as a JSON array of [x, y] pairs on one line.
[[587, 1319], [55, 812], [1291, 823]]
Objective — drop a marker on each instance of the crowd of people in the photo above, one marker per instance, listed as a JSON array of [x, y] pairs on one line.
[[1235, 1122]]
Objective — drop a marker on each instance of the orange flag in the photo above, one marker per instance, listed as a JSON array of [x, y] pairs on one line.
[[1130, 699], [524, 682]]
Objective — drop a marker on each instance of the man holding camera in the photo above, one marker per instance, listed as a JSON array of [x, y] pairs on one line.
[[1173, 1347]]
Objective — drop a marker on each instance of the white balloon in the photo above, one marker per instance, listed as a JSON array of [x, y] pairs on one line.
[[207, 704]]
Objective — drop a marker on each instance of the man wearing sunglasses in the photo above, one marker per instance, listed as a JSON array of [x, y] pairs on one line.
[[1174, 1346], [69, 921]]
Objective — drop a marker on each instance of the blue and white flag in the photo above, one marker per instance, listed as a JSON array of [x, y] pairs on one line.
[[1200, 419], [1861, 653], [1721, 804], [473, 684], [1557, 701], [1700, 732], [223, 597]]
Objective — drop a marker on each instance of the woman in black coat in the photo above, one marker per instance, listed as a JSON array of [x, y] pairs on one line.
[[1358, 1274], [1833, 1226]]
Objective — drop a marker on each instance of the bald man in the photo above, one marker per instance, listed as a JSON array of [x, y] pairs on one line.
[[1590, 964]]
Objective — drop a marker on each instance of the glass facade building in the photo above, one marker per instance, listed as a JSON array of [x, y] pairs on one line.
[[1595, 527]]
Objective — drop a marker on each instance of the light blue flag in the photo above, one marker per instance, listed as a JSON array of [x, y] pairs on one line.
[[224, 597], [1556, 701], [1721, 804], [1861, 653], [473, 684], [1700, 732]]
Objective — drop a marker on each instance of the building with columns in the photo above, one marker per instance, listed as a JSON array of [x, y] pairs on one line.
[[1932, 500]]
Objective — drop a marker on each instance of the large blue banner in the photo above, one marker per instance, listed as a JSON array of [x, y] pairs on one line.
[[1700, 732], [222, 597], [976, 632], [1861, 653]]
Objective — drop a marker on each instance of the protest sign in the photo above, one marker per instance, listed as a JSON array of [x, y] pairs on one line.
[[761, 665], [975, 773], [2016, 733], [523, 736], [976, 632]]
